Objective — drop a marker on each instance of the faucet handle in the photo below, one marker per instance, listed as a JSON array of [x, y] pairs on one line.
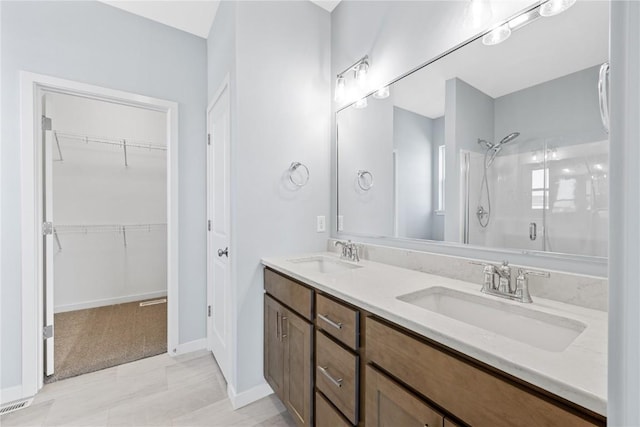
[[545, 274], [484, 264]]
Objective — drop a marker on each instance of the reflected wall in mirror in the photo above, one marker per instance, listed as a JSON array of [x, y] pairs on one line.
[[500, 146]]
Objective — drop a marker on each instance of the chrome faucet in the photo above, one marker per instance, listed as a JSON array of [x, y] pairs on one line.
[[349, 250], [505, 287]]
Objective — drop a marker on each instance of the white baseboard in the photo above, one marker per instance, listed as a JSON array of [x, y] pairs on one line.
[[238, 400], [108, 301], [190, 346], [11, 394]]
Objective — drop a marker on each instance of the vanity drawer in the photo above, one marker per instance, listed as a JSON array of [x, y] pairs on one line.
[[337, 376], [474, 394], [338, 320], [292, 294], [327, 415]]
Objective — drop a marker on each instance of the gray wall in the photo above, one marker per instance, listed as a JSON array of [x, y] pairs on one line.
[[413, 141], [566, 106], [469, 116], [280, 114], [624, 292], [97, 44]]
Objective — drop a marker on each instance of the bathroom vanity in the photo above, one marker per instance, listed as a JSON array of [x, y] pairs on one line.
[[372, 344]]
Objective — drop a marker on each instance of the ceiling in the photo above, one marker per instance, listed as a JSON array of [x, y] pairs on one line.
[[192, 16], [543, 50]]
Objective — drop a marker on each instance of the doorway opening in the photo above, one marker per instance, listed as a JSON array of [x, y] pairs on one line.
[[99, 174], [105, 180]]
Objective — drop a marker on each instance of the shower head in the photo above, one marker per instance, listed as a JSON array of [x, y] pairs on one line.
[[496, 148], [508, 138], [488, 145]]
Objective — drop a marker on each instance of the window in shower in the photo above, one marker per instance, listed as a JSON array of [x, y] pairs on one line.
[[540, 189], [441, 160]]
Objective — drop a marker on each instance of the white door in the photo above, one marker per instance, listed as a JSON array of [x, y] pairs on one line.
[[48, 237], [218, 235]]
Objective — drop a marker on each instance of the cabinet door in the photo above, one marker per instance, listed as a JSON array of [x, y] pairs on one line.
[[390, 404], [273, 348], [296, 337]]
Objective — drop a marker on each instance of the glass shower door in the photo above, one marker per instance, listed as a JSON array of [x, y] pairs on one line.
[[577, 218], [515, 199]]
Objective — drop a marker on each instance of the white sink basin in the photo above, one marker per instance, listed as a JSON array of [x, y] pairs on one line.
[[521, 323], [323, 264]]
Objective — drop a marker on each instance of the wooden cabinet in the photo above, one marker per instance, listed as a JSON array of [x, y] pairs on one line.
[[389, 404], [327, 415], [470, 392], [368, 372], [337, 376], [288, 358], [338, 320], [273, 348]]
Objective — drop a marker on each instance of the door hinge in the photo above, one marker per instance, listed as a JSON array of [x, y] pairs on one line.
[[47, 228], [47, 124], [209, 225], [47, 332], [208, 139], [209, 311]]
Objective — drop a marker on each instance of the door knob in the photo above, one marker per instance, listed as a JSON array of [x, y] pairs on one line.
[[224, 252]]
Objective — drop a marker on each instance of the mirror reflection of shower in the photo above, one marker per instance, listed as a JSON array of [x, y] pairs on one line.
[[484, 214]]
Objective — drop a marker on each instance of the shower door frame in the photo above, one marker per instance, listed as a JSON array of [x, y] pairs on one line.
[[32, 87]]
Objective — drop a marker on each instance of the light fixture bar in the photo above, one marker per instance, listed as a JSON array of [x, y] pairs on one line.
[[364, 59]]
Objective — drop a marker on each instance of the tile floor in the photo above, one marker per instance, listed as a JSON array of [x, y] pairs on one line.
[[187, 390]]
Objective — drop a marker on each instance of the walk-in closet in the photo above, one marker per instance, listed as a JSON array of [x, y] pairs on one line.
[[105, 185]]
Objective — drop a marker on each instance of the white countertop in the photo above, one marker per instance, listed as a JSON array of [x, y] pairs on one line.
[[578, 373]]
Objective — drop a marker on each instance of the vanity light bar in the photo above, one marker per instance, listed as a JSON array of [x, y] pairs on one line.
[[546, 9], [360, 69]]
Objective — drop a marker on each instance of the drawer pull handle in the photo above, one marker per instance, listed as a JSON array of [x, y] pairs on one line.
[[282, 334], [331, 322], [336, 382]]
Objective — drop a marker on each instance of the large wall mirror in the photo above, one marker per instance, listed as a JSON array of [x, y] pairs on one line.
[[496, 145]]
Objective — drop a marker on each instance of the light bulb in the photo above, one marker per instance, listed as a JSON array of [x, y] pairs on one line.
[[554, 7], [382, 93], [361, 72], [497, 35], [361, 103], [340, 89], [477, 14]]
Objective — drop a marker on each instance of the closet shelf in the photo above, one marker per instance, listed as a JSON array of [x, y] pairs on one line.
[[119, 142], [107, 228], [104, 228], [125, 143]]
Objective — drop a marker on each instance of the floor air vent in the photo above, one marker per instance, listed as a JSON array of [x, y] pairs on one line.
[[15, 406], [153, 302]]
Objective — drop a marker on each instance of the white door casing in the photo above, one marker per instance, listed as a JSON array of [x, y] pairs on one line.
[[218, 226]]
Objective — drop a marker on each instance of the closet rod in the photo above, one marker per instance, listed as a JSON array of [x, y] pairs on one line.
[[119, 142]]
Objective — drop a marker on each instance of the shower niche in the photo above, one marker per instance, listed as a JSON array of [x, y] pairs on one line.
[[502, 146]]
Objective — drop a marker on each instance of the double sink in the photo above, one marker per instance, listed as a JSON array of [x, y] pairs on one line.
[[513, 320]]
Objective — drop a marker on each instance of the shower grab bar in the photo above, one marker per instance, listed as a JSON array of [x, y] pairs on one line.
[[603, 95]]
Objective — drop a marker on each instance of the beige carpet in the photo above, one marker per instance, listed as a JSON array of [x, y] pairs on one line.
[[98, 338]]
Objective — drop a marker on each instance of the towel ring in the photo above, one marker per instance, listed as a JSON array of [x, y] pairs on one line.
[[362, 182], [304, 175]]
